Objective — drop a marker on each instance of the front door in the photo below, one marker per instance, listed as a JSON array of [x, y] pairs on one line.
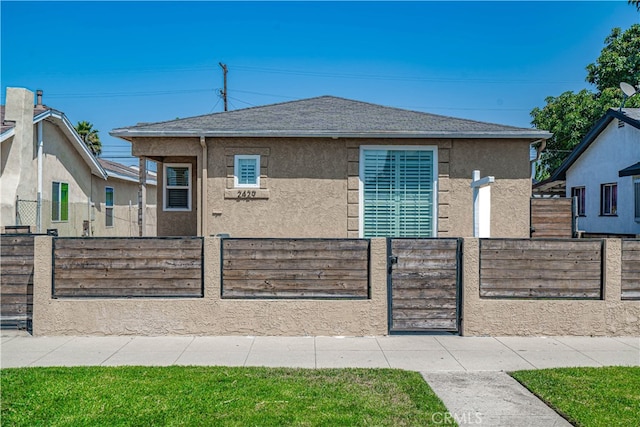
[[398, 191]]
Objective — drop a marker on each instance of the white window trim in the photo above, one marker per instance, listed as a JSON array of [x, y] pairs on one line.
[[106, 206], [602, 199], [236, 170], [165, 187], [60, 203], [433, 148], [634, 181]]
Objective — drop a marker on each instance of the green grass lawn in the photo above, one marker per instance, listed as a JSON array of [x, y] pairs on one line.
[[608, 396], [200, 396]]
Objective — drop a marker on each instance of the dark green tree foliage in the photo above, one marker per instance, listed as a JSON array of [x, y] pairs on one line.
[[636, 3], [90, 137], [570, 115]]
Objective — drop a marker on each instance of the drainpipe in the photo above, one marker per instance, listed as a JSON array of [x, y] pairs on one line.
[[203, 191], [39, 197]]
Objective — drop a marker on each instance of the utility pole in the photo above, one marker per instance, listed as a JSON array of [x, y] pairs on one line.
[[223, 92]]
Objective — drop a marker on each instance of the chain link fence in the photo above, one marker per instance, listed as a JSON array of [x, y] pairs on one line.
[[26, 212]]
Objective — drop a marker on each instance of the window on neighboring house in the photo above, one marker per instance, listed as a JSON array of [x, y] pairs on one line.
[[60, 201], [246, 171], [579, 194], [177, 187], [636, 192], [609, 199], [108, 203]]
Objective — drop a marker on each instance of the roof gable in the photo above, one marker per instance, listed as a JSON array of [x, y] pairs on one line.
[[630, 116], [326, 116]]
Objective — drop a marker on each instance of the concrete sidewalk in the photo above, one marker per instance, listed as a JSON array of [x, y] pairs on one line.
[[424, 353], [465, 372]]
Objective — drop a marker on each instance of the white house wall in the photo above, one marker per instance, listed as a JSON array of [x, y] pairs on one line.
[[613, 150]]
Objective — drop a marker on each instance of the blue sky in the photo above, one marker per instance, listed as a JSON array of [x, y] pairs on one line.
[[118, 63]]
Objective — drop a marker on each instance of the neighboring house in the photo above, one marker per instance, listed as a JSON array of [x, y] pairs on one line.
[[333, 167], [80, 195], [603, 174]]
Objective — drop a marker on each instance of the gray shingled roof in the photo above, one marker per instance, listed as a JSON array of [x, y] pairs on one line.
[[326, 116], [9, 124]]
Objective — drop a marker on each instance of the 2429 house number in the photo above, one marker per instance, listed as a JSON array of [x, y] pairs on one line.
[[246, 194]]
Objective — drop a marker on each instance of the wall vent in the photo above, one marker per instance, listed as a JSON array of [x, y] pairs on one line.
[[620, 123]]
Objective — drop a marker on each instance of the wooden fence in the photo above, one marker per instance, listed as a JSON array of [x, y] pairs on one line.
[[630, 269], [552, 217], [295, 268], [424, 292], [513, 268], [16, 280], [127, 267]]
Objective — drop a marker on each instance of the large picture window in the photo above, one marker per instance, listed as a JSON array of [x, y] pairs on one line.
[[60, 201], [579, 194], [246, 171], [177, 187], [398, 191], [108, 206], [609, 199]]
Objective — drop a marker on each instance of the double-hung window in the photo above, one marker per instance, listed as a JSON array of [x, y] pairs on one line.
[[60, 201], [108, 206], [578, 193], [246, 171], [609, 199], [177, 187]]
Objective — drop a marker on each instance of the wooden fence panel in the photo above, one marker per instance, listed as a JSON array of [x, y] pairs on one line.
[[552, 218], [424, 285], [295, 268], [128, 267], [631, 269], [513, 268], [16, 280]]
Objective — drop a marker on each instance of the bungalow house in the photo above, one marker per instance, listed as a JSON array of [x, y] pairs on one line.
[[333, 167], [49, 179], [603, 174]]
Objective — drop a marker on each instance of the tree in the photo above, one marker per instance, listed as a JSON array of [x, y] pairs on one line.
[[570, 115], [90, 137], [636, 3]]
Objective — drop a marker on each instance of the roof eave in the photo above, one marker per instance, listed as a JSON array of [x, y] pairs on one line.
[[81, 147], [127, 134]]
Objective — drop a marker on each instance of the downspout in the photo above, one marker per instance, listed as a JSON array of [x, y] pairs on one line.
[[39, 195], [203, 191]]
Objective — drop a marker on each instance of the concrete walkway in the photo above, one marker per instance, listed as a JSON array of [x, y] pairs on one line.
[[464, 371]]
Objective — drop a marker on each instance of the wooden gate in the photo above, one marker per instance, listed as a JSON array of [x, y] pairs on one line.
[[424, 285], [16, 277]]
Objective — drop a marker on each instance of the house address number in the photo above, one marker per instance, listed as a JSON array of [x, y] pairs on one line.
[[246, 194]]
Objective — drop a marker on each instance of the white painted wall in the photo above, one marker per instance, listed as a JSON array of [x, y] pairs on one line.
[[613, 150]]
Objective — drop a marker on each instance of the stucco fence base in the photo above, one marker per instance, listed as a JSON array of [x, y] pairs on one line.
[[213, 315], [210, 315], [610, 316]]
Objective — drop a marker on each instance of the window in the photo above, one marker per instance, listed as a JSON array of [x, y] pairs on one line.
[[636, 192], [177, 187], [397, 191], [246, 171], [108, 203], [60, 199], [609, 199], [579, 194]]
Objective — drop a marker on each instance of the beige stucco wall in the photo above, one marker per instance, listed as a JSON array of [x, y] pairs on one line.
[[309, 186], [210, 315], [608, 317], [125, 221], [17, 153]]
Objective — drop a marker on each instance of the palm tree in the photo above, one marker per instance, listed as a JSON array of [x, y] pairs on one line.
[[90, 137]]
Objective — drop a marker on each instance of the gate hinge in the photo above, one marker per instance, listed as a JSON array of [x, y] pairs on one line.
[[393, 259]]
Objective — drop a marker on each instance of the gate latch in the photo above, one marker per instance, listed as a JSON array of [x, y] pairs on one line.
[[393, 259]]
